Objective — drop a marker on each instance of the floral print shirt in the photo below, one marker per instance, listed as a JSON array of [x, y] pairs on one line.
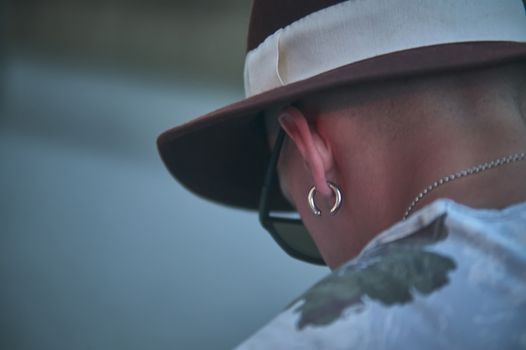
[[448, 277]]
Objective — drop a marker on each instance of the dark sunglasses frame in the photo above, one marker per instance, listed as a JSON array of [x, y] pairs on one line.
[[269, 222]]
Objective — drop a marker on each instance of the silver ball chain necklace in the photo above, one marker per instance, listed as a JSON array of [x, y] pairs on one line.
[[463, 173]]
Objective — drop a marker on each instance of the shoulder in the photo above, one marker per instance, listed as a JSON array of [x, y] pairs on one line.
[[455, 280]]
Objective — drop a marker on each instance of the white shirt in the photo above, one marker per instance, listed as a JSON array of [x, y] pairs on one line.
[[449, 277]]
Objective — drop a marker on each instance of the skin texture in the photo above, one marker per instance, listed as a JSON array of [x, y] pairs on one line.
[[383, 143]]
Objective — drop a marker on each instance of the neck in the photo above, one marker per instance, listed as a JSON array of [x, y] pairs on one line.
[[465, 127], [418, 134]]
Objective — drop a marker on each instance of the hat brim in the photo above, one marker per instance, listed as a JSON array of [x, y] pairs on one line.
[[222, 156]]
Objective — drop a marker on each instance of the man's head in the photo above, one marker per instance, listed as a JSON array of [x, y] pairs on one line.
[[297, 50]]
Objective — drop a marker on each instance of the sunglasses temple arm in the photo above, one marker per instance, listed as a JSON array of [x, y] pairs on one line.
[[269, 175]]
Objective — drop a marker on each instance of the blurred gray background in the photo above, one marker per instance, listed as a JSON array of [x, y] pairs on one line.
[[99, 247]]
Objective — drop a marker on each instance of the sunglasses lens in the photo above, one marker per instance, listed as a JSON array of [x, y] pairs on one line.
[[293, 234]]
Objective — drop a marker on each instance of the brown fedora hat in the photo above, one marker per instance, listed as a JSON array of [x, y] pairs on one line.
[[296, 48]]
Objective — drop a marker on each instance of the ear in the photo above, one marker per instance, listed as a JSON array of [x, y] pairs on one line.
[[312, 147]]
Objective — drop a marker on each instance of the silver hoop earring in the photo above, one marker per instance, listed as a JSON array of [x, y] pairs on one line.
[[337, 199]]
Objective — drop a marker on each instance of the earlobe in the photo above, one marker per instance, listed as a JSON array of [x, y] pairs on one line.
[[310, 145]]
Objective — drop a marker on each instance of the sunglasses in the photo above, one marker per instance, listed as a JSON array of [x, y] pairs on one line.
[[290, 233]]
